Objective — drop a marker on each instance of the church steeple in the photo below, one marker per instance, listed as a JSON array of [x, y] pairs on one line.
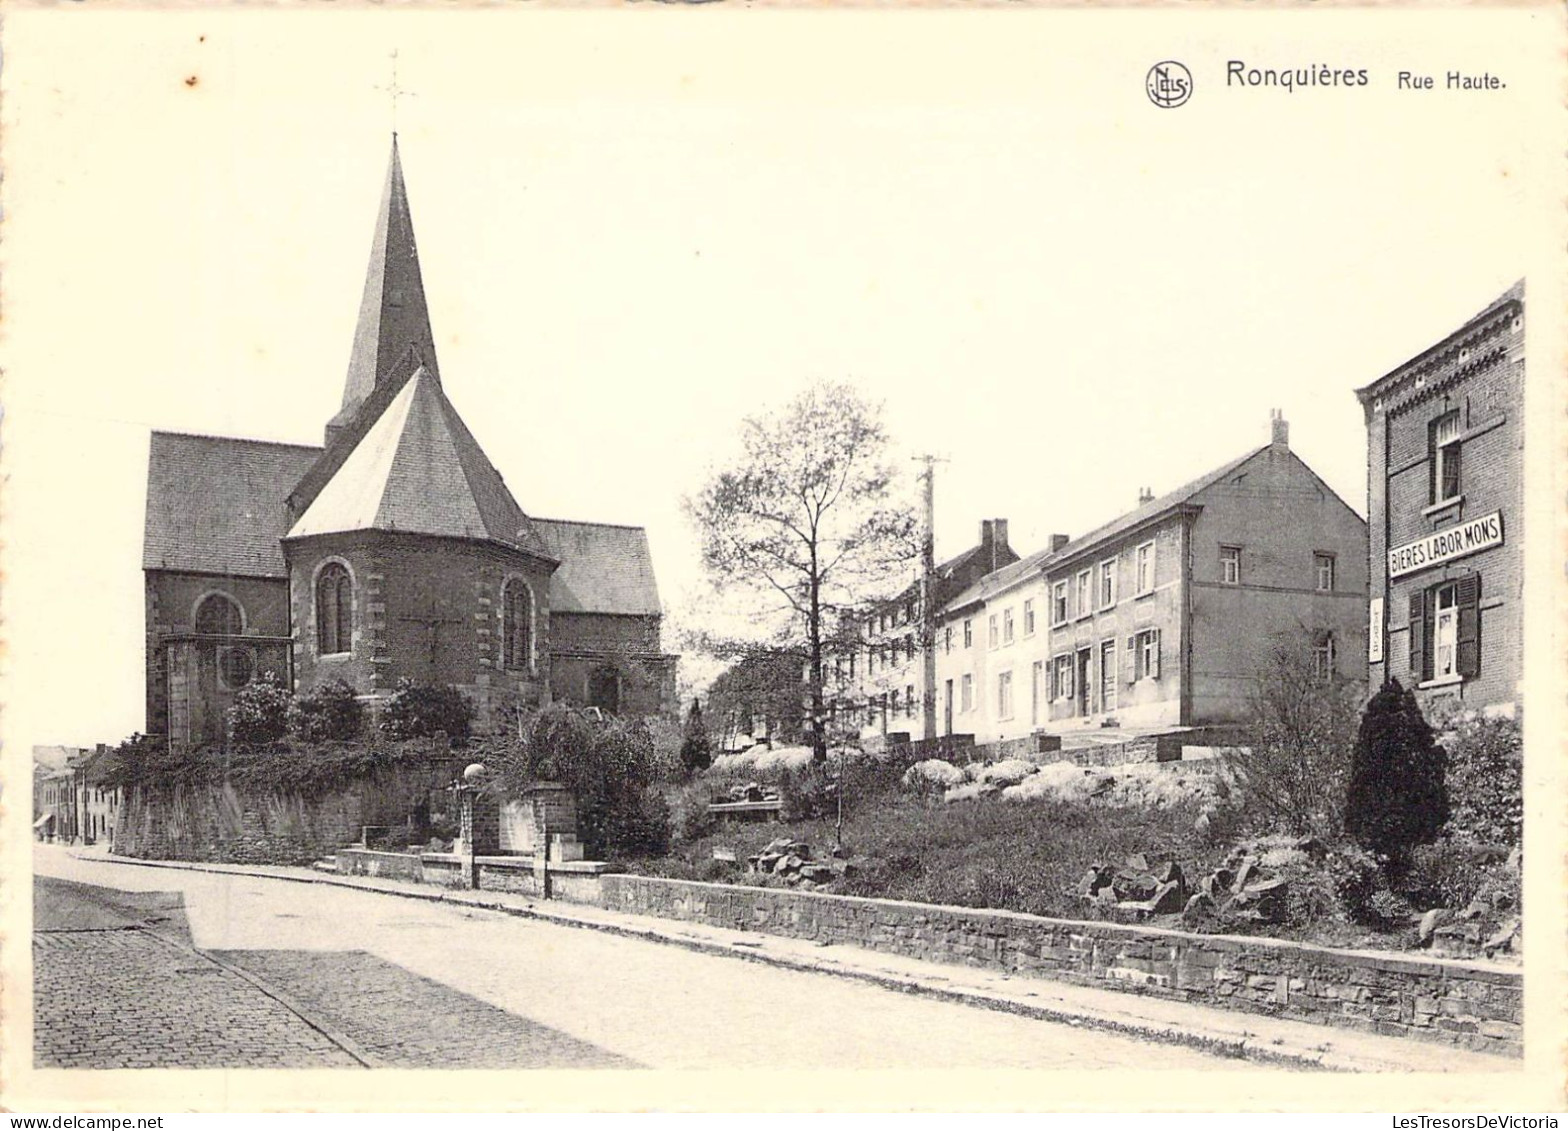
[[393, 318]]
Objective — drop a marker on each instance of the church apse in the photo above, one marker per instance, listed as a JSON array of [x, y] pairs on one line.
[[396, 553]]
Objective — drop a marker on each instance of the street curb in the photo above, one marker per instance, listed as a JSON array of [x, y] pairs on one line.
[[1219, 1044]]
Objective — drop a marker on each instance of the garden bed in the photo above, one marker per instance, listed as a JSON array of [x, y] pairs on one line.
[[996, 853]]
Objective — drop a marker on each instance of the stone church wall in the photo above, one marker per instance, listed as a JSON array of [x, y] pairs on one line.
[[644, 685], [426, 610], [171, 600]]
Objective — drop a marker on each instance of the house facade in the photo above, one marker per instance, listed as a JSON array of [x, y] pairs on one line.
[[1164, 616], [877, 671], [1445, 506]]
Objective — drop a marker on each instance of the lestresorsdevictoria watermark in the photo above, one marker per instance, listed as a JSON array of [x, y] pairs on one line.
[[1474, 1122]]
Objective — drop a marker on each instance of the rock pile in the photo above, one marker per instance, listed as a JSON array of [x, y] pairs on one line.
[[791, 860], [1482, 926], [750, 791], [1245, 887], [1136, 889]]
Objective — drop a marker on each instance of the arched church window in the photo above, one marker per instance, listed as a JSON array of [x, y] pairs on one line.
[[334, 610], [218, 615], [517, 612]]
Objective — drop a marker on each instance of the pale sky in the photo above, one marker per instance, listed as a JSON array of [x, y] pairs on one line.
[[636, 227]]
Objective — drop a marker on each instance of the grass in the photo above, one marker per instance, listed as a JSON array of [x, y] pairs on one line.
[[983, 853], [989, 852]]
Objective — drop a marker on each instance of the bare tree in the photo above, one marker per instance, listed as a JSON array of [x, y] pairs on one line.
[[807, 525], [1304, 718]]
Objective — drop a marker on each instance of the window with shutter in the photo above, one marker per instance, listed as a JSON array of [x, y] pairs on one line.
[[1154, 658], [1468, 636], [1418, 653]]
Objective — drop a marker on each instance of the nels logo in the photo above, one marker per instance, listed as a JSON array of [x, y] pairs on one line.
[[1169, 84]]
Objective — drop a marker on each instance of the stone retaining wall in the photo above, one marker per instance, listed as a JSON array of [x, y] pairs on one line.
[[1470, 1004], [242, 825]]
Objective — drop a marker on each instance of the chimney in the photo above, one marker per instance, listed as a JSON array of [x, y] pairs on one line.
[[999, 529], [1279, 428], [1058, 541], [1145, 495], [987, 533]]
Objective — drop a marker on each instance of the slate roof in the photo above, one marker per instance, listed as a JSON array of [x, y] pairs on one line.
[[419, 470], [215, 503], [393, 316], [604, 569], [993, 582]]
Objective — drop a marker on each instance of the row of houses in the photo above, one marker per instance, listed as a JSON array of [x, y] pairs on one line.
[[1162, 617], [72, 800]]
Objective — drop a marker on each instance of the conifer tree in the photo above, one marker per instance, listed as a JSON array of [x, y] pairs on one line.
[[1397, 798]]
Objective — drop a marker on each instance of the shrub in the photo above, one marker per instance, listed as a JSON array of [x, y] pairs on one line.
[[689, 812], [1485, 780], [1010, 771], [609, 767], [932, 774], [1313, 898], [696, 750], [1355, 876], [1455, 875], [806, 794], [330, 713], [1388, 909], [1294, 774], [1396, 798], [260, 714], [422, 711]]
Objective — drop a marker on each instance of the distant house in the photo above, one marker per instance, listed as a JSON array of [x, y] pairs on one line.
[[72, 800], [1163, 616], [876, 677]]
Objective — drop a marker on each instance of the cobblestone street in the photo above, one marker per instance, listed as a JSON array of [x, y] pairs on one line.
[[115, 989], [386, 980]]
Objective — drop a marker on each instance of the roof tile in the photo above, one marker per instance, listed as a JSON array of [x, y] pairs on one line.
[[215, 503]]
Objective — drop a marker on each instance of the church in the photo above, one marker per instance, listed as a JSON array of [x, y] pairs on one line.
[[392, 554]]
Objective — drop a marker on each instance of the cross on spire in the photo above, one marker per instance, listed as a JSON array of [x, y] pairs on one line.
[[394, 91]]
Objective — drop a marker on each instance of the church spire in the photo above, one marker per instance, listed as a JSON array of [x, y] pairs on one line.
[[393, 318]]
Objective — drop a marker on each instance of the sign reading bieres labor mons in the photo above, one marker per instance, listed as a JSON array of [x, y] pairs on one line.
[[1445, 545]]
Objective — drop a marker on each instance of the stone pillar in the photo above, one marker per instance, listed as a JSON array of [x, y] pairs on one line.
[[479, 832], [554, 811]]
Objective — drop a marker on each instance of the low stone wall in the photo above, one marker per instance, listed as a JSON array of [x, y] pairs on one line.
[[1149, 748], [1031, 747], [576, 881], [383, 865], [1469, 1004]]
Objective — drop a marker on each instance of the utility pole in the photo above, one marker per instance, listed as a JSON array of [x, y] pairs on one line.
[[928, 597]]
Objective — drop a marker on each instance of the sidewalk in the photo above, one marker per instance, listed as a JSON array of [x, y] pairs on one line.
[[1254, 1037]]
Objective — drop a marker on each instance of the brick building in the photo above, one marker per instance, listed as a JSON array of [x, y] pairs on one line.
[[392, 553], [1445, 506], [876, 682], [1164, 616]]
